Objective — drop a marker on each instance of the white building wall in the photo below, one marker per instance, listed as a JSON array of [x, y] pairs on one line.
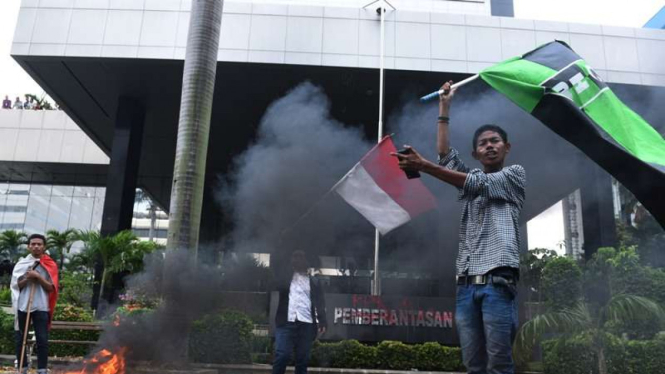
[[450, 36], [46, 136]]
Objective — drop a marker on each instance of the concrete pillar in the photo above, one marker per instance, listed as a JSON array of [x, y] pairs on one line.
[[122, 175]]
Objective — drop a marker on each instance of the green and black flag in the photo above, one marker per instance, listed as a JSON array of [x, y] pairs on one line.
[[561, 90]]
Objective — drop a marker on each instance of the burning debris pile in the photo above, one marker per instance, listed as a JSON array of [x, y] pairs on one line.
[[103, 362], [184, 291]]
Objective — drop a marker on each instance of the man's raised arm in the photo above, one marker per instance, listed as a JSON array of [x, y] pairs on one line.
[[442, 139]]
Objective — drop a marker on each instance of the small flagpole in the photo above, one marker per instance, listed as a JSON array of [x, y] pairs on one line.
[[376, 287]]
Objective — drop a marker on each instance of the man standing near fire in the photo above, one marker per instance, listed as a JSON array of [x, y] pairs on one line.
[[34, 287], [300, 310], [488, 258]]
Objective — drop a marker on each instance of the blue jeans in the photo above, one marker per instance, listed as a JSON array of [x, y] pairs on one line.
[[298, 335], [39, 321], [486, 317]]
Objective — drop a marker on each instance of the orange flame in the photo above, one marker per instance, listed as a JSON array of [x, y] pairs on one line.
[[104, 362]]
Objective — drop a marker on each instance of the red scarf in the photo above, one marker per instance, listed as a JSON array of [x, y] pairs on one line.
[[52, 269]]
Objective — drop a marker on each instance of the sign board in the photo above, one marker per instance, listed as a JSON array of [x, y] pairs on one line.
[[377, 318]]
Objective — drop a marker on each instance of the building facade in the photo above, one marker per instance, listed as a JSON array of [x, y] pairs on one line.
[[115, 68]]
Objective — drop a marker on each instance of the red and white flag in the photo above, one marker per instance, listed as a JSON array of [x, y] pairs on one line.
[[378, 189]]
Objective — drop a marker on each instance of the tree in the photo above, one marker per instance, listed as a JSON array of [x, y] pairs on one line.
[[532, 264], [588, 318], [119, 252], [12, 244], [131, 258], [561, 283], [61, 242], [198, 86], [84, 260], [609, 306]]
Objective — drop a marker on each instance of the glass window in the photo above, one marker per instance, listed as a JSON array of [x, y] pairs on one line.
[[80, 191], [97, 210], [100, 192], [19, 189], [41, 189], [82, 208], [58, 213], [66, 191], [36, 216]]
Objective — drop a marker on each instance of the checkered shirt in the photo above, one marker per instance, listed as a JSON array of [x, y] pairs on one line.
[[489, 229]]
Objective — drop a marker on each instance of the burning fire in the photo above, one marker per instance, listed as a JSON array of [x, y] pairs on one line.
[[104, 362]]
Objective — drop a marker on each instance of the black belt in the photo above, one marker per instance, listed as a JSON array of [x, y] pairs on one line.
[[483, 279]]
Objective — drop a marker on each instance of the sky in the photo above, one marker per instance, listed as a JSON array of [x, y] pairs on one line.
[[545, 230]]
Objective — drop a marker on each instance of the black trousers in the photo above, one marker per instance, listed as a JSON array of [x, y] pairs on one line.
[[39, 321]]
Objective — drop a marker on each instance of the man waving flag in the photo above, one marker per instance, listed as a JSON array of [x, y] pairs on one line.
[[560, 89]]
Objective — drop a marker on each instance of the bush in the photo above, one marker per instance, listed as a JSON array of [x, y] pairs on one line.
[[356, 355], [261, 349], [75, 289], [223, 338], [351, 354], [6, 333], [67, 312], [432, 356], [574, 356], [394, 355], [561, 282], [6, 296]]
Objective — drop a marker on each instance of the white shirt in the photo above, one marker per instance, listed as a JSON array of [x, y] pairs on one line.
[[300, 302]]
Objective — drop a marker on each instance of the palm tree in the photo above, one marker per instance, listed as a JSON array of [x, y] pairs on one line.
[[84, 260], [198, 86], [120, 252], [585, 317], [61, 242], [12, 244]]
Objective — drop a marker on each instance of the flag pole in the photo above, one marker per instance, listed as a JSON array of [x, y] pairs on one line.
[[376, 288], [436, 94]]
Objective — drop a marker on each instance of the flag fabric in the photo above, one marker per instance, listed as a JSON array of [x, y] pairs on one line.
[[378, 189], [21, 267], [560, 89]]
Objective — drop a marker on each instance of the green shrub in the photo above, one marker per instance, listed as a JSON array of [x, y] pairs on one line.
[[261, 349], [6, 296], [574, 356], [323, 353], [123, 311], [346, 354], [432, 356], [75, 289], [351, 354], [72, 313], [645, 357], [6, 333], [561, 282], [223, 338], [394, 355]]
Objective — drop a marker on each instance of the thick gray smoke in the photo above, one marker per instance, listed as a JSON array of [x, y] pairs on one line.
[[278, 197], [187, 290]]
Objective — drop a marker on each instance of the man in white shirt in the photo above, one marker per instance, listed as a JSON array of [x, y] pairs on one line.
[[301, 309]]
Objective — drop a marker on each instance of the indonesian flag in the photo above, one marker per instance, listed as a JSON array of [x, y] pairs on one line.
[[21, 267], [378, 189]]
